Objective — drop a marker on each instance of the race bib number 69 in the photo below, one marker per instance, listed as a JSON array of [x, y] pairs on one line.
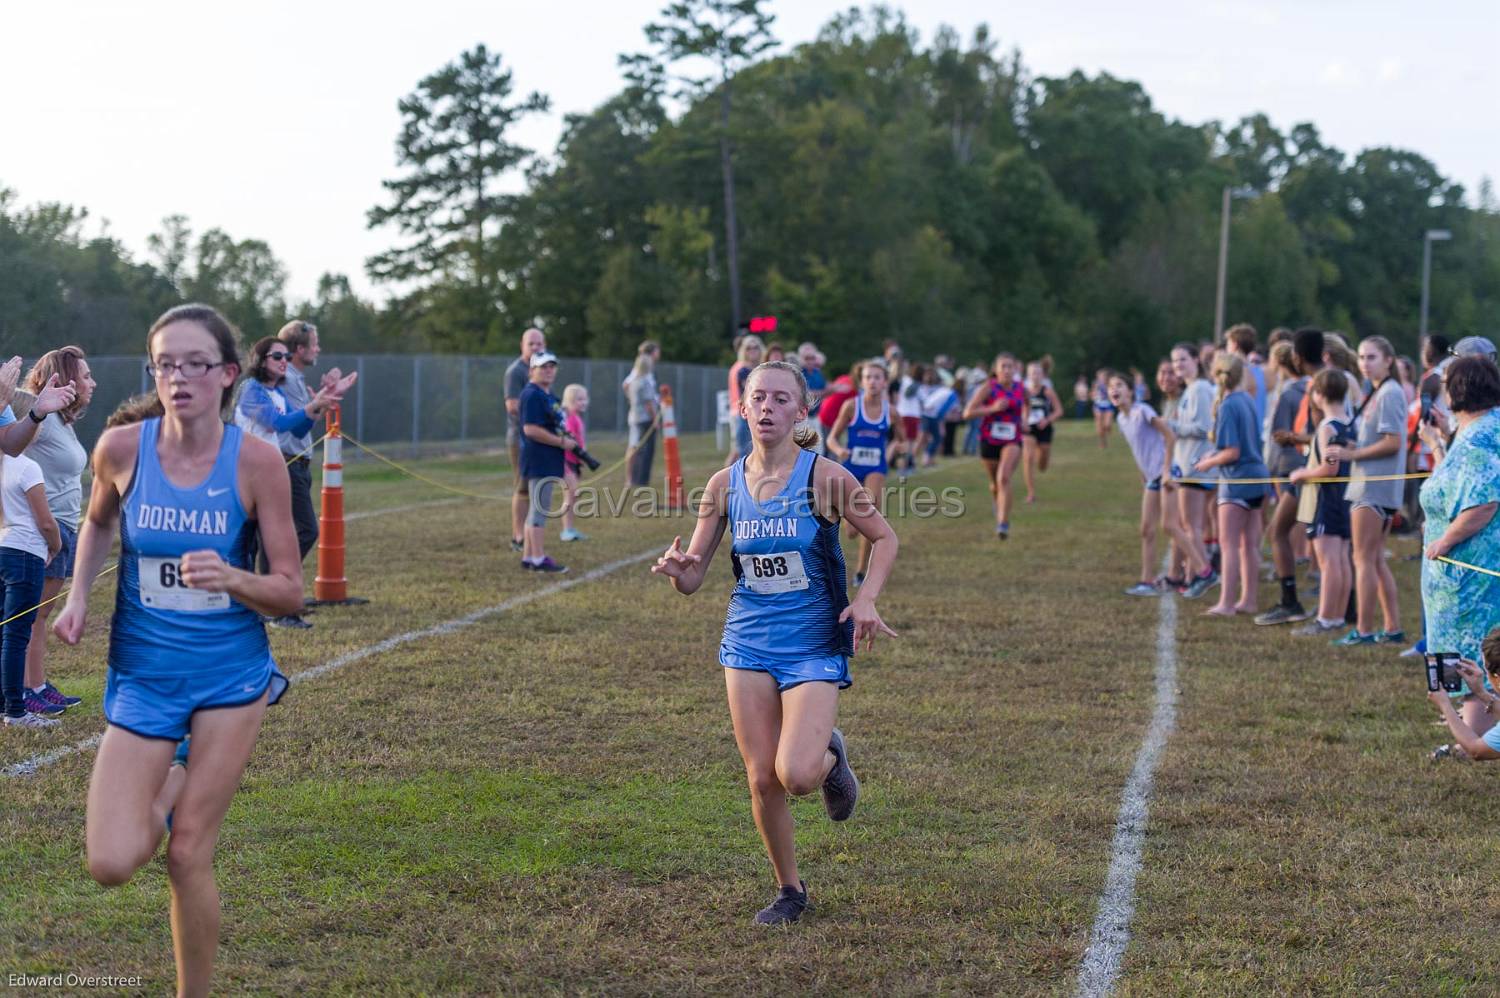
[[162, 588], [774, 573]]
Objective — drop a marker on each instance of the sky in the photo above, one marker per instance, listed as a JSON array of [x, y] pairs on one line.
[[278, 120]]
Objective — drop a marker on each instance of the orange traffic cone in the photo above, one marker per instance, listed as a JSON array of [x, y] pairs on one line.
[[669, 448], [330, 586]]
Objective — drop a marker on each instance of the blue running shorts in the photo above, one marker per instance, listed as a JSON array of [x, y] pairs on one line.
[[163, 706], [823, 669]]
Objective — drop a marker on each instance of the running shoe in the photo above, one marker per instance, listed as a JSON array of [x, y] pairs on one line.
[[1354, 638], [36, 721], [516, 544], [37, 705], [1416, 651], [292, 621], [1002, 531], [1201, 585], [573, 535], [52, 694], [1317, 629], [1143, 589], [1282, 614], [548, 565], [841, 786], [789, 905], [1390, 637], [1167, 583], [1455, 752]]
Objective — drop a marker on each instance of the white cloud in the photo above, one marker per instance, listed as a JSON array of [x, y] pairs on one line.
[[1391, 69], [1341, 74]]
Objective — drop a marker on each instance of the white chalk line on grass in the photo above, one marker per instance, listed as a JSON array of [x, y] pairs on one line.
[[1110, 935], [30, 766]]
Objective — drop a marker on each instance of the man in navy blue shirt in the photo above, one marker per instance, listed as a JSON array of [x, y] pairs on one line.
[[542, 448]]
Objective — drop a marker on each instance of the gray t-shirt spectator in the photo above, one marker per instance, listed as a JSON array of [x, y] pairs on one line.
[[1194, 421], [642, 397], [517, 377], [62, 458], [1384, 413], [294, 387]]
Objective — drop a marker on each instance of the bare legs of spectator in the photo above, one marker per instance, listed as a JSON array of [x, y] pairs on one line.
[[1239, 547], [1333, 586], [1191, 504], [1372, 576]]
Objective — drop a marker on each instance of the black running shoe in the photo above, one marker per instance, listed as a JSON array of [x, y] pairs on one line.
[[789, 905], [1283, 614], [841, 788]]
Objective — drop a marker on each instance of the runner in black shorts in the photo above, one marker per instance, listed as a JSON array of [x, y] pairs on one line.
[[1043, 407]]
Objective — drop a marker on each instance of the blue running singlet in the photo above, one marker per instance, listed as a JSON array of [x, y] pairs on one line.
[[866, 439], [783, 615], [162, 628]]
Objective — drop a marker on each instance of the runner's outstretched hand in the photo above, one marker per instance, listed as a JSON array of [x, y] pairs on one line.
[[867, 622], [675, 562]]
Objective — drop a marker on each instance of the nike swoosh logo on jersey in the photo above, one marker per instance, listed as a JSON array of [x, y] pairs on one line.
[[212, 493]]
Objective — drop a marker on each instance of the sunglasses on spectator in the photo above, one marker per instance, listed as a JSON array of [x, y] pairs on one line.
[[278, 355]]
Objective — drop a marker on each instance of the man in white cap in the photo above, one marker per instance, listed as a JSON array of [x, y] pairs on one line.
[[542, 449], [517, 376]]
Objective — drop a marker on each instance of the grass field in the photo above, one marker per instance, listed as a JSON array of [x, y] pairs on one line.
[[549, 799]]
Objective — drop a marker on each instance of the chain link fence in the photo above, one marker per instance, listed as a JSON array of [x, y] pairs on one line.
[[428, 400]]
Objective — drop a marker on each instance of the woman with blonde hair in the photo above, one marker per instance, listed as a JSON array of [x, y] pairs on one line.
[[790, 628], [748, 354], [1236, 438], [56, 450], [642, 416]]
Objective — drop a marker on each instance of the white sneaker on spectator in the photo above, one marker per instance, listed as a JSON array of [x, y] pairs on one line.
[[30, 721]]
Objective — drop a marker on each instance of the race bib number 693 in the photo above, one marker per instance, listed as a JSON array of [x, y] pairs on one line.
[[774, 573]]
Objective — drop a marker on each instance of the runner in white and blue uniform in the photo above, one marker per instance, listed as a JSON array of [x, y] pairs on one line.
[[788, 633], [864, 447], [187, 650]]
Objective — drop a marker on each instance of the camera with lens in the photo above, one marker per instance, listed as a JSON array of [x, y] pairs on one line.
[[588, 459], [1442, 672]]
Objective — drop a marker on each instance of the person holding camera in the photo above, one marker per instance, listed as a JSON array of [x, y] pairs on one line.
[[1459, 503], [543, 444], [1475, 735]]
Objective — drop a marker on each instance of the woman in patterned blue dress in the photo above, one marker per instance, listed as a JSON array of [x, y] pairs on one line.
[[1460, 500]]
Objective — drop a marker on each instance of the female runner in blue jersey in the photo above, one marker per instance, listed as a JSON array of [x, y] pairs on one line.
[[789, 632], [187, 649], [864, 448]]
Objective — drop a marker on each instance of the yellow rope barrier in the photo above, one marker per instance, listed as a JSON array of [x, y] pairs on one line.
[[105, 571], [602, 473], [1305, 481], [1472, 568]]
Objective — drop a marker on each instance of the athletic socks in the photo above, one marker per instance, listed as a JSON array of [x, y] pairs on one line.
[[1289, 590]]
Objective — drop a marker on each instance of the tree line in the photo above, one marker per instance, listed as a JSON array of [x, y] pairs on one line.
[[860, 186]]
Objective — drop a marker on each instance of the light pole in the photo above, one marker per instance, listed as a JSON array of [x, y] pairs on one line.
[[1428, 238], [1230, 193]]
